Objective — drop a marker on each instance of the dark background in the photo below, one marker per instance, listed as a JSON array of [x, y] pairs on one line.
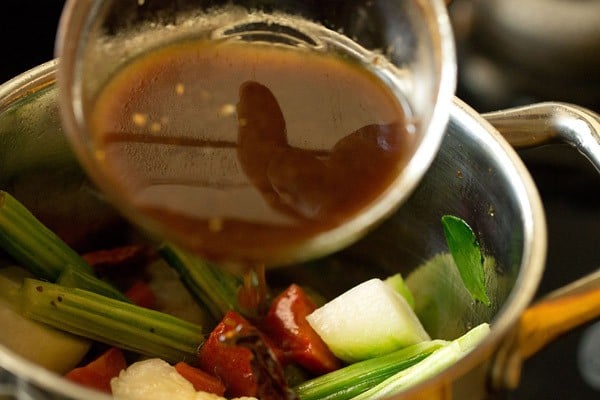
[[27, 33], [570, 190]]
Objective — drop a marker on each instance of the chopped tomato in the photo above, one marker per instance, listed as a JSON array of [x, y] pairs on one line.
[[121, 266], [98, 373], [141, 294], [286, 326], [117, 256], [231, 363], [247, 369], [201, 380]]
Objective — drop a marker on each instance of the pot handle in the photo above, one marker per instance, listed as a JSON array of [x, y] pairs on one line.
[[578, 302], [557, 313], [550, 122]]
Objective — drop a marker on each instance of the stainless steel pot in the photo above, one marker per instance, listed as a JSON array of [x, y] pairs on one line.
[[476, 175]]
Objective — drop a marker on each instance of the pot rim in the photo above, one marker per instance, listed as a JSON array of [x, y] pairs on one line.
[[530, 272], [12, 91], [27, 83], [532, 263]]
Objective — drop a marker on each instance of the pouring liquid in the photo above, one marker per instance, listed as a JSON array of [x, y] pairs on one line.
[[239, 151]]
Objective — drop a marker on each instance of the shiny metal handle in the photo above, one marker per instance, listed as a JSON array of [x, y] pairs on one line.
[[574, 304], [551, 122]]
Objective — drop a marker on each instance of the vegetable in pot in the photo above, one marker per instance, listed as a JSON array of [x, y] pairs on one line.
[[356, 378], [243, 356], [155, 379], [214, 287], [439, 292], [466, 253], [39, 249], [430, 366], [245, 360], [286, 325], [111, 321], [50, 348], [98, 373], [369, 320]]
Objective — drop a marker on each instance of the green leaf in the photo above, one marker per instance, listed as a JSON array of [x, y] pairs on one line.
[[467, 256]]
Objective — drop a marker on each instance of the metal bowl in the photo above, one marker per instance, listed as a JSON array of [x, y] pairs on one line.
[[476, 175]]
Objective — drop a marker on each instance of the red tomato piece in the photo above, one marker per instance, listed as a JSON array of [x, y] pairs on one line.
[[117, 257], [234, 364], [285, 324], [201, 380], [98, 373], [230, 363], [141, 294]]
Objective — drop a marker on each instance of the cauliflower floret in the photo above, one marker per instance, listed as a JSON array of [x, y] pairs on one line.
[[155, 379], [151, 379]]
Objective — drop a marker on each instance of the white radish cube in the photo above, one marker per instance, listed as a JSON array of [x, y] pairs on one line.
[[367, 321]]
